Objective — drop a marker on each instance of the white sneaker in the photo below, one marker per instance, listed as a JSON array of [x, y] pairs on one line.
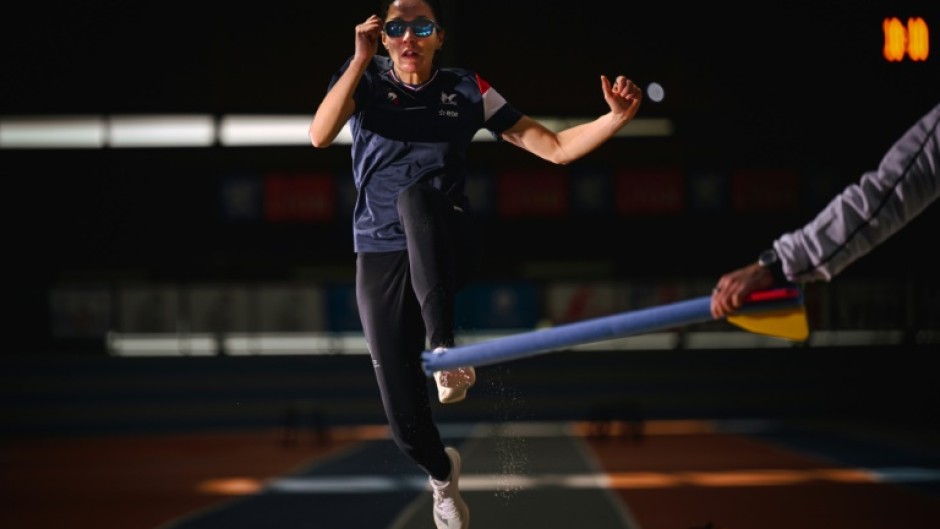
[[452, 384], [450, 511]]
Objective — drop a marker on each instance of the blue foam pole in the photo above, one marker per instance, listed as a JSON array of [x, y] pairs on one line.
[[696, 310]]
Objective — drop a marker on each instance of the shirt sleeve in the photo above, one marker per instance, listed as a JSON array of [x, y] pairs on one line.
[[868, 212], [498, 114]]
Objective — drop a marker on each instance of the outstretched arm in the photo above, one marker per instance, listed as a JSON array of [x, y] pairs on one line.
[[869, 211], [338, 105], [566, 146], [854, 222]]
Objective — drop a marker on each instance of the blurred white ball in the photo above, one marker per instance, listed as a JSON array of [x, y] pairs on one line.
[[655, 92]]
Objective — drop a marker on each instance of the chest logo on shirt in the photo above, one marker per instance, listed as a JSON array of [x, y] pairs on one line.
[[448, 99], [392, 98]]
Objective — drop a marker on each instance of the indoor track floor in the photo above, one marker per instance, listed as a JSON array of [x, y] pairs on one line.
[[652, 475]]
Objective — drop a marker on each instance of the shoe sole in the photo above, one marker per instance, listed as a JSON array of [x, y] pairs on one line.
[[458, 394]]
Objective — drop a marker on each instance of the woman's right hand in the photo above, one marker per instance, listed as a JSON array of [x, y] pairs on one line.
[[367, 37]]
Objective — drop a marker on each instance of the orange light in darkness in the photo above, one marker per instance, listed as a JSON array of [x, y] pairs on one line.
[[912, 40]]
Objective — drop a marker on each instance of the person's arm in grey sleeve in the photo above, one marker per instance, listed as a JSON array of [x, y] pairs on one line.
[[860, 218], [868, 212]]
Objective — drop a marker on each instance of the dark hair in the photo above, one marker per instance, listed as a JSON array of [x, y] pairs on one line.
[[437, 7]]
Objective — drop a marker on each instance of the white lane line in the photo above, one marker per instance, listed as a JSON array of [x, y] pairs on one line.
[[638, 480]]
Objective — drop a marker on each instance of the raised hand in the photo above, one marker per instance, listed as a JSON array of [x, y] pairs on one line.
[[623, 97]]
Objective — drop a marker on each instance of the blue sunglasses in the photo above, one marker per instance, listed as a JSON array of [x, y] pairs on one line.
[[421, 27]]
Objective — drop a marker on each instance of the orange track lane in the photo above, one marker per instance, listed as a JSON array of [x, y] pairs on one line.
[[720, 481]]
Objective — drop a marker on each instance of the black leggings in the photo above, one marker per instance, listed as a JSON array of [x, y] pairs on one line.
[[406, 304]]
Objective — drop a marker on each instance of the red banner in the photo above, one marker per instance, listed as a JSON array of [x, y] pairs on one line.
[[649, 191], [765, 190], [299, 198], [533, 194]]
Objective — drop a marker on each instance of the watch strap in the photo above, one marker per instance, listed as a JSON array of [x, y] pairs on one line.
[[770, 260]]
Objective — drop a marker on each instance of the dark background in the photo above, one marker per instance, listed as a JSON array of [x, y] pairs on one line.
[[802, 85]]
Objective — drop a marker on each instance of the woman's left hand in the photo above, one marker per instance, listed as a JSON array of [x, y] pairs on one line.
[[623, 97]]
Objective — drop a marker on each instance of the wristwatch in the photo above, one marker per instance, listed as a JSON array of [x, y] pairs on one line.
[[768, 258], [771, 261]]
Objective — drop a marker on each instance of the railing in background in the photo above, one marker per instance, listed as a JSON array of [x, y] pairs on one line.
[[320, 318], [206, 130]]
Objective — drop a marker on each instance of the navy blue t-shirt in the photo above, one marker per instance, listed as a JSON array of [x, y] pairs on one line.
[[404, 134]]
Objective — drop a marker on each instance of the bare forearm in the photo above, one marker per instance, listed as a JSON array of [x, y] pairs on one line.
[[623, 97], [567, 145], [336, 107], [579, 140]]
